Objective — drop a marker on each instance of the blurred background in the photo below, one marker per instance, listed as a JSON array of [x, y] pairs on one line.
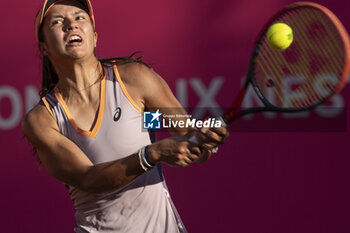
[[260, 181]]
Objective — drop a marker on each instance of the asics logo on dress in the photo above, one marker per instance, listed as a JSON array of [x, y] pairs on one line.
[[117, 114]]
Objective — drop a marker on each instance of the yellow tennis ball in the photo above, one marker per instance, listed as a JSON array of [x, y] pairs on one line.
[[280, 36]]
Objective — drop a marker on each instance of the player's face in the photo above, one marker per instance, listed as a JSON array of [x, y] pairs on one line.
[[68, 33]]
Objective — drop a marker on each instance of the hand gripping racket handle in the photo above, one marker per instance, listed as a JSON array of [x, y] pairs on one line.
[[194, 140]]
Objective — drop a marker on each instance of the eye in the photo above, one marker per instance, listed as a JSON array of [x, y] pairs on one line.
[[80, 17], [57, 21]]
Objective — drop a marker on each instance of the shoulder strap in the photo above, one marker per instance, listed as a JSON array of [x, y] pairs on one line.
[[125, 91], [50, 101]]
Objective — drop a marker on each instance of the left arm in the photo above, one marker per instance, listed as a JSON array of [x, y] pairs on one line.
[[149, 90]]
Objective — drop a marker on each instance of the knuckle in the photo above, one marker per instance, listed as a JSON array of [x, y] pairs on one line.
[[210, 133], [180, 157], [183, 164], [196, 151], [205, 146], [183, 144], [181, 150]]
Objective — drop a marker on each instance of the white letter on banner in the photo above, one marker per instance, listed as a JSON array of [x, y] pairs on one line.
[[333, 110], [181, 91], [15, 99], [31, 97], [337, 101], [291, 96]]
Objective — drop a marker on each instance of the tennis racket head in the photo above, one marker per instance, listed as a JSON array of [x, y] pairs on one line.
[[312, 69]]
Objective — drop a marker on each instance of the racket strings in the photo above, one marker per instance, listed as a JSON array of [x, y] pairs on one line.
[[308, 71], [317, 62], [283, 83], [314, 63], [331, 49], [270, 71], [303, 68]]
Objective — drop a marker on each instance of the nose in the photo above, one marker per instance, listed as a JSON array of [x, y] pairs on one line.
[[70, 25]]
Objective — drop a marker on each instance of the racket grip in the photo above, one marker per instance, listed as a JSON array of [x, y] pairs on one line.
[[223, 122], [194, 140]]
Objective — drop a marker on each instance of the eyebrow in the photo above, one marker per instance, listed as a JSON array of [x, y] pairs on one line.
[[61, 16], [57, 16], [79, 12]]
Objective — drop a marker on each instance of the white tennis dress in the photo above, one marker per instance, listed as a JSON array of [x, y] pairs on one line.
[[143, 205]]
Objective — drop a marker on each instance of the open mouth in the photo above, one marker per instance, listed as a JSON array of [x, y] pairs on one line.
[[74, 40]]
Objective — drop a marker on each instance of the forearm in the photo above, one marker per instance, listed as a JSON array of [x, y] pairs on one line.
[[112, 175], [116, 174]]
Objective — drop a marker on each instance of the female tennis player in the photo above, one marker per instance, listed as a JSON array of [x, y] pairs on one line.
[[87, 128]]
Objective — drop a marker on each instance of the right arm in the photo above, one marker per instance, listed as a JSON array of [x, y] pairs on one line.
[[65, 161]]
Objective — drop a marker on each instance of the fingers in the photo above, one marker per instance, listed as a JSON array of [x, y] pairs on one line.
[[221, 130], [188, 153], [204, 156], [208, 139], [183, 160], [182, 151], [216, 135], [179, 152]]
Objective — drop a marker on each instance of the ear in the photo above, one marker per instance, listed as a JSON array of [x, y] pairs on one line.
[[95, 42], [43, 49]]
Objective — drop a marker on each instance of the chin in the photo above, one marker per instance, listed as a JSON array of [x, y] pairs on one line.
[[79, 52], [79, 55]]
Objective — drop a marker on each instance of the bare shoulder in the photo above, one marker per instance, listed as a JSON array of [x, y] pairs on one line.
[[137, 73], [144, 85], [37, 114], [36, 120]]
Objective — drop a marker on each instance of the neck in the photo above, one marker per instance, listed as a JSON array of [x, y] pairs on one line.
[[78, 77]]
